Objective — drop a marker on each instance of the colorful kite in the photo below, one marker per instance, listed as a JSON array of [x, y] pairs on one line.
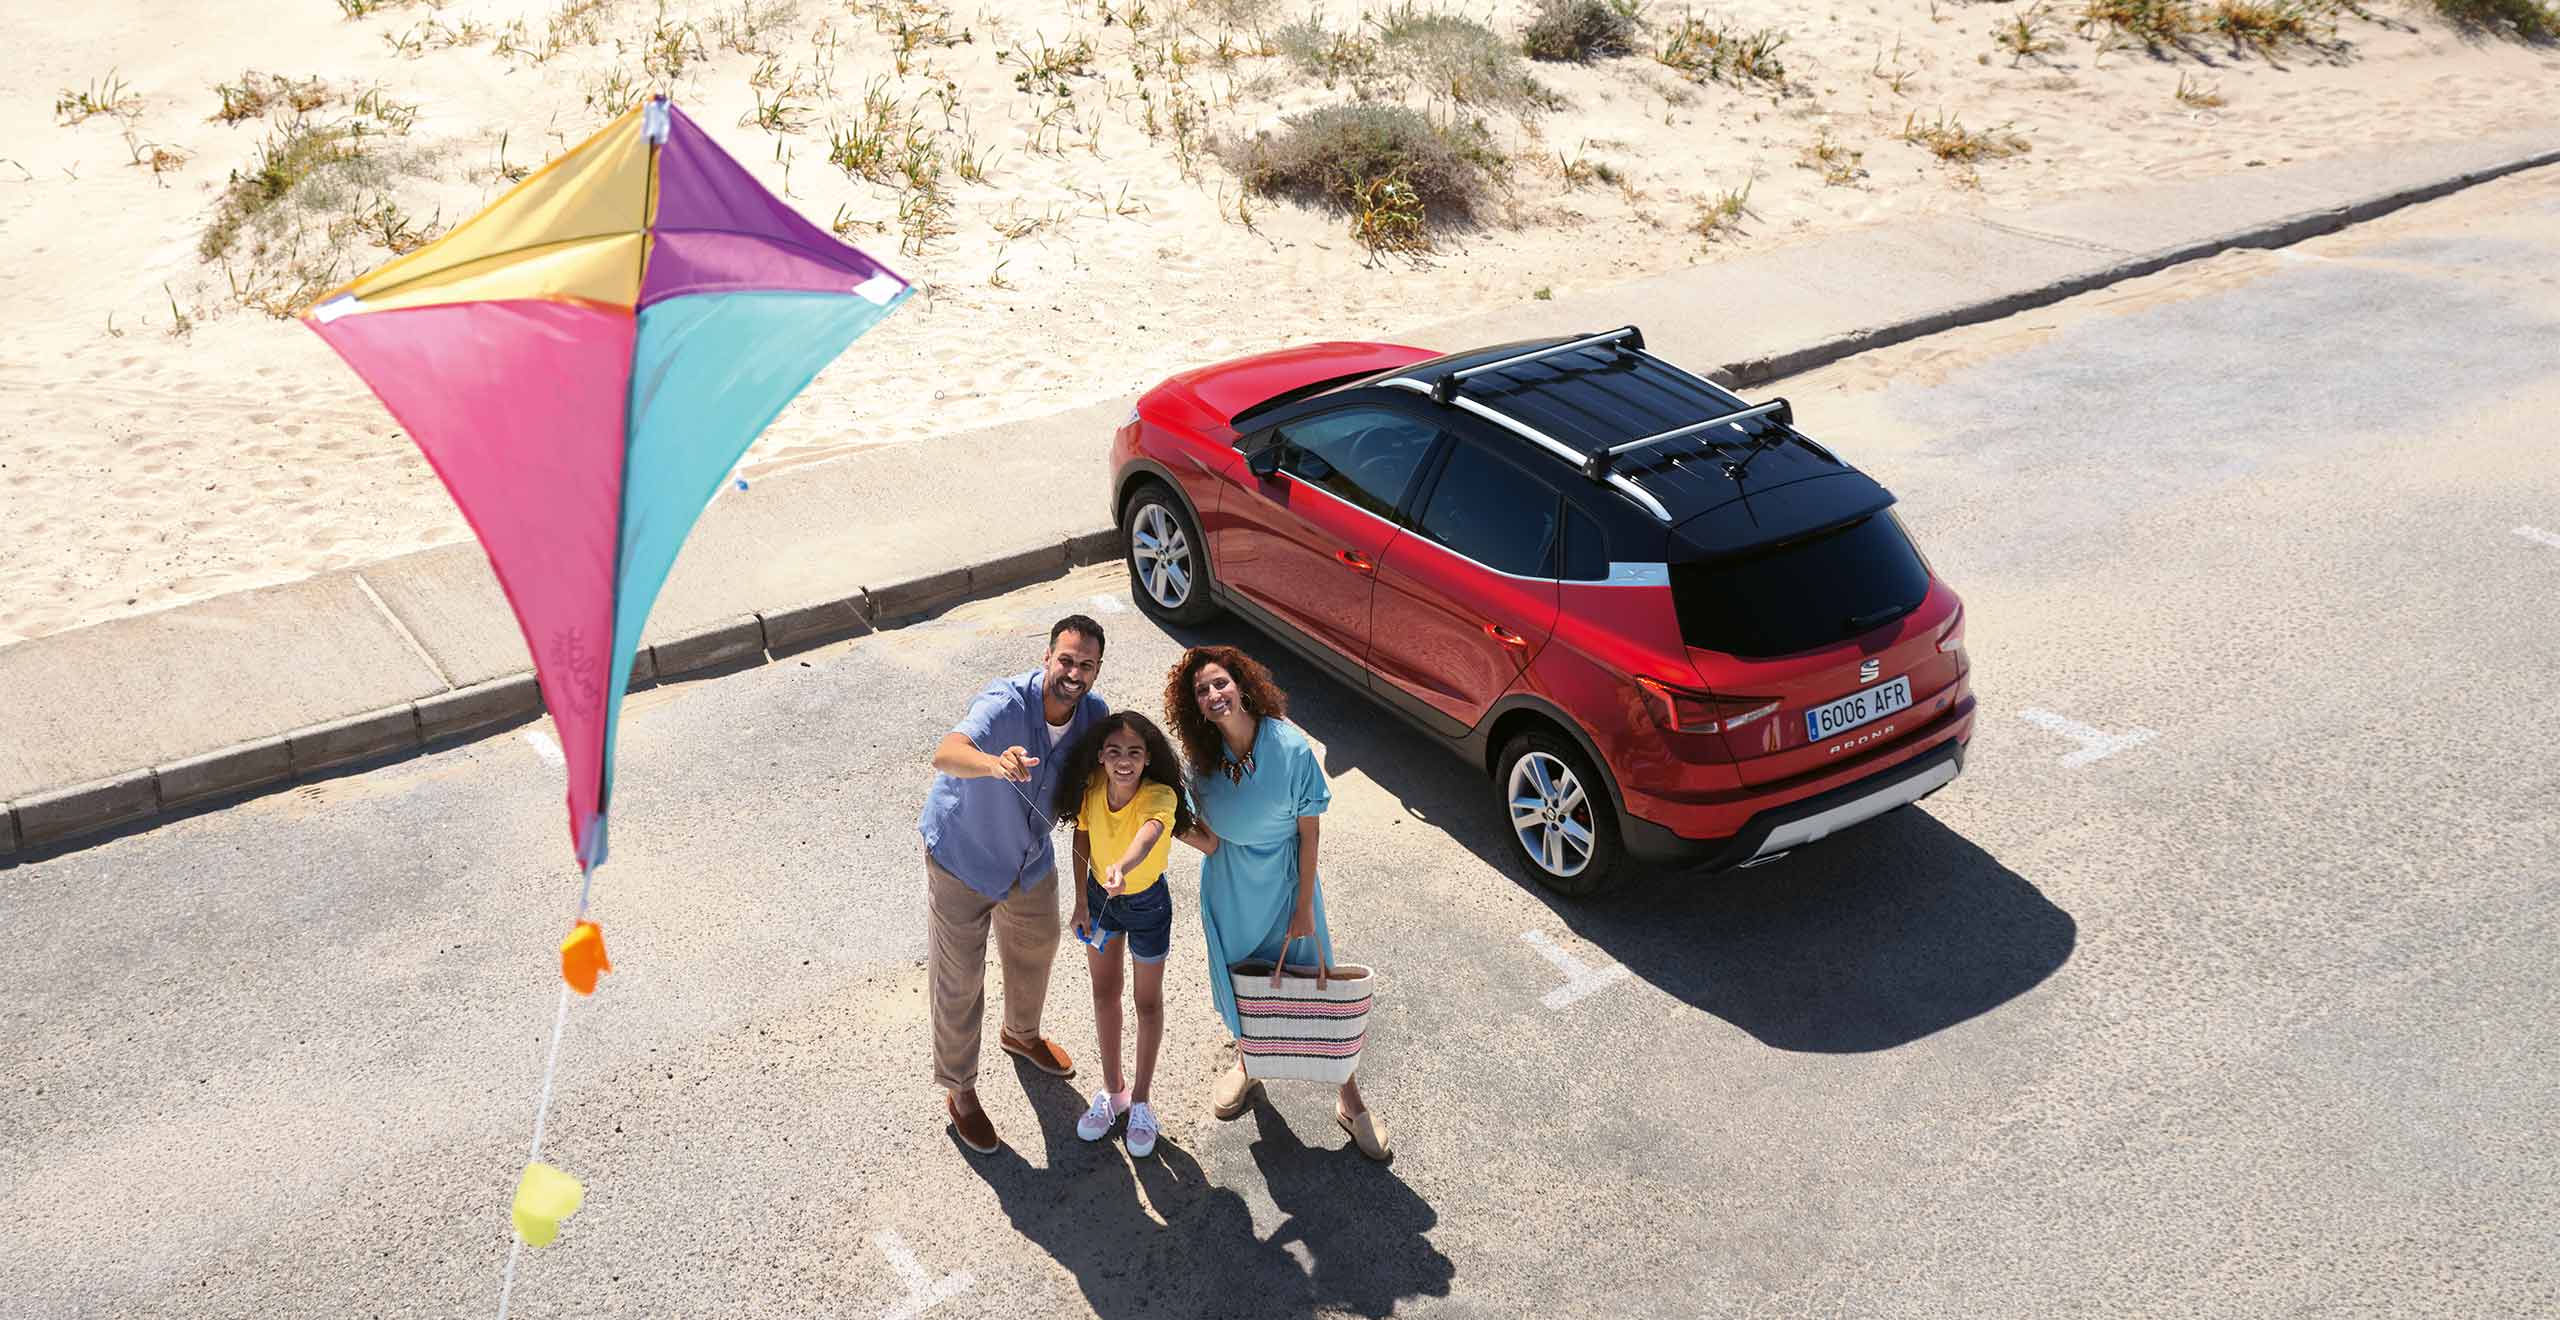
[[584, 363]]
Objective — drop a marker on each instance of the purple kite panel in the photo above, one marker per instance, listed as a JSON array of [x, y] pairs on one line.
[[718, 230]]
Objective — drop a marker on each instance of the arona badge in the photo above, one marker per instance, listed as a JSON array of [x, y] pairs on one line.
[[1867, 672]]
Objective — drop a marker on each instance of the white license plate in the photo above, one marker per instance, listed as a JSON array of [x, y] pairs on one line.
[[1857, 708]]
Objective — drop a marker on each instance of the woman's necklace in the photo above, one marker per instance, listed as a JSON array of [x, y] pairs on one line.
[[1240, 765]]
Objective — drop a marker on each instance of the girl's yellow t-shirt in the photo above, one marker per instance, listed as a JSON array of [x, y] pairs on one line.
[[1111, 832]]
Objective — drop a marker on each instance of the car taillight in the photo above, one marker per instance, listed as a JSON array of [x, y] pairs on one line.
[[1691, 711], [1951, 641]]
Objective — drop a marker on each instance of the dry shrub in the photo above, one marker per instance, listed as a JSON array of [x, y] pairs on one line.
[[1582, 30], [2526, 20], [1385, 165]]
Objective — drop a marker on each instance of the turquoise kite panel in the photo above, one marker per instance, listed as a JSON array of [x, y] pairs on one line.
[[708, 374]]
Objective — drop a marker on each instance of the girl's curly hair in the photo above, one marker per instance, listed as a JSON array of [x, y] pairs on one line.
[[1200, 739], [1084, 761]]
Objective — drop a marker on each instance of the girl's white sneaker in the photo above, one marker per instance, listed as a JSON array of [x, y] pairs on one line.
[[1142, 1130], [1106, 1109]]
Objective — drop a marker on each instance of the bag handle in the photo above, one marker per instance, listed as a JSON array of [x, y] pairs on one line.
[[1280, 965]]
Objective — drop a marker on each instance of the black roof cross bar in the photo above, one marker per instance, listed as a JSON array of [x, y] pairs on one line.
[[1596, 463], [1446, 388]]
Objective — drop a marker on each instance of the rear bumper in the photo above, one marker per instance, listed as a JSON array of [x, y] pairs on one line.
[[1791, 825]]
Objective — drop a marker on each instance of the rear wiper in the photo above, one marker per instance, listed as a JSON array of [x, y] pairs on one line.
[[1858, 623]]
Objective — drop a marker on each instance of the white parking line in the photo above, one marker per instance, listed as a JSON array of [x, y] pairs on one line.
[[544, 747], [1580, 978], [2094, 745], [923, 1294], [2551, 539]]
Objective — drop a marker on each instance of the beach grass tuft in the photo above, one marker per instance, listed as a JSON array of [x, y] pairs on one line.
[[256, 93], [103, 96], [2025, 34], [1720, 52], [1839, 166], [1722, 214], [1950, 141], [2154, 24]]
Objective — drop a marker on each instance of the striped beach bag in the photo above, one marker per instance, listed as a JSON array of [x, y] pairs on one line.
[[1297, 1031]]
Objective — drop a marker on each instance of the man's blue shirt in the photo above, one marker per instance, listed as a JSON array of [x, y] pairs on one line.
[[981, 830]]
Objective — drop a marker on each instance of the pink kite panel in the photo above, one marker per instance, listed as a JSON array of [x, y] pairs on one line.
[[519, 406]]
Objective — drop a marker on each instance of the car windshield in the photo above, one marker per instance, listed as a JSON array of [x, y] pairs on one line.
[[1800, 594]]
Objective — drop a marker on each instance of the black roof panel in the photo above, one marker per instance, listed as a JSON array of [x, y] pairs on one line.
[[1598, 396]]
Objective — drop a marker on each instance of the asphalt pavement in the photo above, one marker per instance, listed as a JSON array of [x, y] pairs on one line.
[[2218, 985]]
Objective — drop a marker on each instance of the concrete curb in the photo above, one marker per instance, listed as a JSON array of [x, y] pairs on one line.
[[2283, 232], [758, 637], [62, 815]]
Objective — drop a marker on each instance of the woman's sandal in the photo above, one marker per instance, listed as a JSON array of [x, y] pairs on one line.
[[1366, 1131], [1230, 1099]]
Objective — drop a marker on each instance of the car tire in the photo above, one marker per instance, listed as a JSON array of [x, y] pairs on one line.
[[1168, 564], [1556, 812]]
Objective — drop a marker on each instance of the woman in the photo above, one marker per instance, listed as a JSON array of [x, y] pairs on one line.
[[1260, 792]]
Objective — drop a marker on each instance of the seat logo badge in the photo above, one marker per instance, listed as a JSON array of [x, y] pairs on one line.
[[1867, 672]]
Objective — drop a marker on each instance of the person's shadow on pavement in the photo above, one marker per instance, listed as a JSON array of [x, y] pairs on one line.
[[1360, 1226]]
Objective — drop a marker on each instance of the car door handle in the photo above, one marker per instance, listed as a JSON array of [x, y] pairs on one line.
[[1505, 636], [1355, 561]]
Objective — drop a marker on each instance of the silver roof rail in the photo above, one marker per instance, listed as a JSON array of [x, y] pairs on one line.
[[1446, 390]]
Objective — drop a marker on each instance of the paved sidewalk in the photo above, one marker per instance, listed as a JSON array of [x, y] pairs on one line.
[[109, 725]]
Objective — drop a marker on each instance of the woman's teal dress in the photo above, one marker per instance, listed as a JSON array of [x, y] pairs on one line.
[[1249, 886]]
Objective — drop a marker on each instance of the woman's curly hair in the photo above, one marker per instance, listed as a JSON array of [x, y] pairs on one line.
[[1084, 761], [1200, 740]]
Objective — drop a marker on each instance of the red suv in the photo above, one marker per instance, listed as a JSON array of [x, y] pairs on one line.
[[1668, 626]]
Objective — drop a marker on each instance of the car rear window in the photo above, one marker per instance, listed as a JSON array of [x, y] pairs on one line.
[[1800, 594]]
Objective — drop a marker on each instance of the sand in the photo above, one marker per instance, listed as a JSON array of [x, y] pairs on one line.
[[160, 442]]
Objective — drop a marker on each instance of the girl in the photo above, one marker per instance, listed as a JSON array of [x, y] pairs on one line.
[[1122, 790], [1262, 792]]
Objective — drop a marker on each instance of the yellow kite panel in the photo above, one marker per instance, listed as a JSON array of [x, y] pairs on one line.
[[599, 189], [599, 270]]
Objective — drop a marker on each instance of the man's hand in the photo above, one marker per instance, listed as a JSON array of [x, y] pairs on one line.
[[960, 758], [1015, 765]]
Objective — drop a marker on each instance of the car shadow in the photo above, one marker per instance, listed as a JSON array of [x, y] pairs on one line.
[[1154, 1237], [1871, 939]]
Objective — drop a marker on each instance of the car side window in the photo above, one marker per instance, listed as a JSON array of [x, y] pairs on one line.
[[1584, 556], [1498, 515], [1365, 455]]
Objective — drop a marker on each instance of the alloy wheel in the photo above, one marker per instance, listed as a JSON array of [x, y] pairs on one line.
[[1161, 555], [1552, 814]]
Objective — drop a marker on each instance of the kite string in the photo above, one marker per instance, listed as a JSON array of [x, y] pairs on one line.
[[541, 1113]]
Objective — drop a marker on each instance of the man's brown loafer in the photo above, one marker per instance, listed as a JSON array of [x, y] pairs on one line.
[[1043, 1052], [975, 1131]]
